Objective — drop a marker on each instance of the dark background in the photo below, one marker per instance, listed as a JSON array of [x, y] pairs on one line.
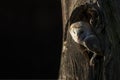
[[30, 38]]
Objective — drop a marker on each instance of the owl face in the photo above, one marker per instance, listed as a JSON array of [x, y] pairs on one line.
[[79, 31]]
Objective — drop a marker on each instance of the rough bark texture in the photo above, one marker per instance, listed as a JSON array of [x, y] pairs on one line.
[[74, 64]]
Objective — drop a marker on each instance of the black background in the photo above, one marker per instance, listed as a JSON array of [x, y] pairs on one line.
[[30, 38]]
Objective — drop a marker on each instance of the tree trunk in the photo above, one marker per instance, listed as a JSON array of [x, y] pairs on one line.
[[75, 64]]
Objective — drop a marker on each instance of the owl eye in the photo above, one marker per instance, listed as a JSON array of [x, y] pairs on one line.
[[74, 31]]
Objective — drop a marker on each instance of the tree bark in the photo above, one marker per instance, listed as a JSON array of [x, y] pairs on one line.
[[74, 64]]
